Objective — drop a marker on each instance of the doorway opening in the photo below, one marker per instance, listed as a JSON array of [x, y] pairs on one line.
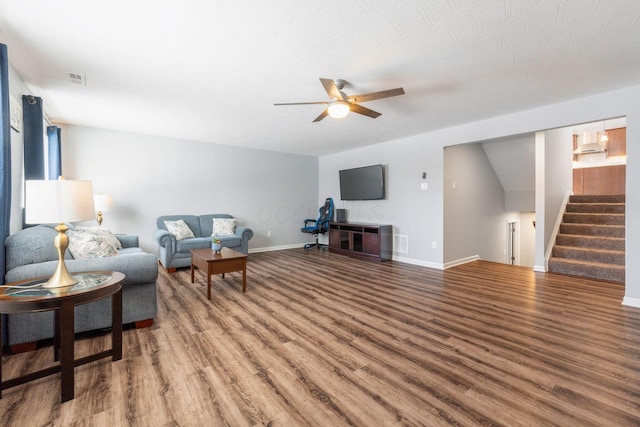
[[513, 242]]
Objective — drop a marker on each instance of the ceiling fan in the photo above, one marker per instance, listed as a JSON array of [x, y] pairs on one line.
[[340, 104]]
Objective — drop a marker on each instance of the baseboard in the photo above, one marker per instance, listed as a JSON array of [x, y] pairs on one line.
[[461, 261], [631, 302], [277, 248], [418, 262], [540, 268]]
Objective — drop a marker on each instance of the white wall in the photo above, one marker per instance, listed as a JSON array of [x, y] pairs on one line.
[[151, 176], [523, 201], [474, 200], [419, 214], [513, 159], [527, 239], [558, 176], [413, 212]]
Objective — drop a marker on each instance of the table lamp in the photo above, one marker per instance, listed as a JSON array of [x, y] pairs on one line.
[[59, 202], [103, 203]]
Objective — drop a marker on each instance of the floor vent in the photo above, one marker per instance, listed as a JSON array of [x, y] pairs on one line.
[[401, 243]]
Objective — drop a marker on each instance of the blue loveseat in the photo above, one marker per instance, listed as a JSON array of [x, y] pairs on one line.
[[175, 253], [31, 253]]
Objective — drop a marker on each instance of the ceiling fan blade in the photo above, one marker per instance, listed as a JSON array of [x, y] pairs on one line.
[[322, 115], [364, 111], [332, 89], [302, 103], [376, 95]]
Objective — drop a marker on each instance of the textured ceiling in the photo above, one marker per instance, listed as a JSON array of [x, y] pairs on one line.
[[211, 70]]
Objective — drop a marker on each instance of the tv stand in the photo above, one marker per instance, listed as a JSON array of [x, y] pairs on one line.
[[366, 241]]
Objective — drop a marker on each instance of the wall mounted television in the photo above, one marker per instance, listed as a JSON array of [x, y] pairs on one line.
[[364, 183]]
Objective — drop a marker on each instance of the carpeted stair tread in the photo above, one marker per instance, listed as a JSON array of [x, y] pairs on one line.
[[598, 198], [596, 207], [589, 254], [595, 242], [593, 230], [595, 270], [593, 218]]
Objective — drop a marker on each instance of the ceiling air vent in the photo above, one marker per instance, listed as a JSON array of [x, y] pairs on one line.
[[77, 78]]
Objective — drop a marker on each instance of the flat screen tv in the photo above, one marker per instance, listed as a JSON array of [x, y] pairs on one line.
[[365, 183]]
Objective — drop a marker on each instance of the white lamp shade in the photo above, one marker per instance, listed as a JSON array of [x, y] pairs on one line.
[[58, 201], [339, 109], [102, 202]]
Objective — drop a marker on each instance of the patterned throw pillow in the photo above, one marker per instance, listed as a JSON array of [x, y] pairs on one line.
[[223, 227], [108, 235], [89, 245], [180, 229]]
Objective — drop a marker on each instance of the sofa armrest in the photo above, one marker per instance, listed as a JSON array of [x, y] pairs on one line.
[[165, 239], [128, 240], [245, 233]]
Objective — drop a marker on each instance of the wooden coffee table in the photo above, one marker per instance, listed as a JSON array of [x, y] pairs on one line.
[[226, 261]]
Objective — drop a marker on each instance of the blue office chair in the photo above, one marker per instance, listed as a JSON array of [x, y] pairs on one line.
[[320, 225]]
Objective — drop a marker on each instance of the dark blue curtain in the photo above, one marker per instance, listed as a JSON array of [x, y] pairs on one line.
[[33, 137], [5, 165], [5, 156], [55, 159]]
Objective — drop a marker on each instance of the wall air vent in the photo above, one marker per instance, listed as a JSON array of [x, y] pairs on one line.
[[401, 243], [77, 78]]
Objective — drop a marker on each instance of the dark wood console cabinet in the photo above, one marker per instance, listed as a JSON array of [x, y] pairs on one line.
[[367, 241]]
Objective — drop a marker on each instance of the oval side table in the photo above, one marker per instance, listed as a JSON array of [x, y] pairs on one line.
[[28, 296]]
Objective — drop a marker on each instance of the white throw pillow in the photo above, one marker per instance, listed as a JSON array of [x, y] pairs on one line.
[[180, 229], [101, 232], [89, 245], [223, 227]]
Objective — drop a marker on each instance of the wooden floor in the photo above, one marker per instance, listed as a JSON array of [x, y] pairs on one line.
[[324, 340]]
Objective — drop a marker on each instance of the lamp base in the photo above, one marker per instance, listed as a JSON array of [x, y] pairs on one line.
[[61, 278]]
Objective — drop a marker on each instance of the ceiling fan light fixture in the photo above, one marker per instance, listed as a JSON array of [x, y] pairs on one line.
[[338, 109], [339, 104]]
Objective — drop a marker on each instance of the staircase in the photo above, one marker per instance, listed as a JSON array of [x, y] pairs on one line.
[[590, 242]]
